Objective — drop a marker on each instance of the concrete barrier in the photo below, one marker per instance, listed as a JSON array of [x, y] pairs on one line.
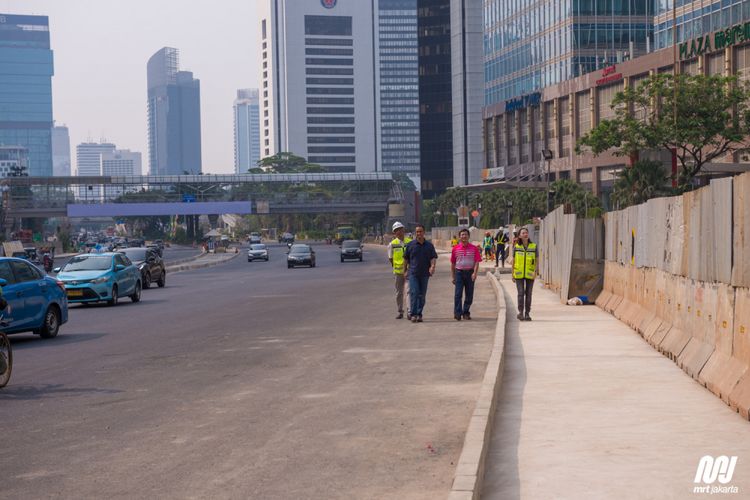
[[469, 476]]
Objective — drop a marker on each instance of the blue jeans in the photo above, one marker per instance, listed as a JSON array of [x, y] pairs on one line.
[[464, 283], [417, 293]]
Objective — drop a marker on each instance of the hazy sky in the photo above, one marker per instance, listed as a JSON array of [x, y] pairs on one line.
[[101, 48]]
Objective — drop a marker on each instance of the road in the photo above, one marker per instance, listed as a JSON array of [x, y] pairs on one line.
[[246, 380], [174, 252]]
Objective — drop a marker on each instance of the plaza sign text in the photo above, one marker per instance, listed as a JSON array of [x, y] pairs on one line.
[[720, 40], [523, 102]]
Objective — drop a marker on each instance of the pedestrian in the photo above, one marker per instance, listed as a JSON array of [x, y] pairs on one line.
[[454, 241], [524, 272], [501, 248], [465, 259], [487, 245], [396, 257], [420, 258]]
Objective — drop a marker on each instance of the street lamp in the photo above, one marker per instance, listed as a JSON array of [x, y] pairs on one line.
[[547, 154]]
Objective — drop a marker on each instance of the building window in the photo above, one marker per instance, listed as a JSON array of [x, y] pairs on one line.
[[583, 109], [330, 100], [263, 31], [328, 52], [322, 61], [329, 41], [328, 25], [329, 81]]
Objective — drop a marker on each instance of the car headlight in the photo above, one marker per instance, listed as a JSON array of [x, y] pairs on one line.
[[98, 281]]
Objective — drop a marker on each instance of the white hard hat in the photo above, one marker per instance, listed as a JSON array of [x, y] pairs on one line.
[[397, 225]]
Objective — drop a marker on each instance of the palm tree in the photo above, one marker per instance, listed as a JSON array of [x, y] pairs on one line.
[[639, 183]]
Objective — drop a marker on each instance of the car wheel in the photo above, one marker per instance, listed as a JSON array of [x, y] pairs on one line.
[[147, 281], [342, 259], [51, 324], [162, 279], [249, 260], [136, 297], [113, 300]]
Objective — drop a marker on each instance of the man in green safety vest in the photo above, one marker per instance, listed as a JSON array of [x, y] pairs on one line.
[[396, 257], [524, 272]]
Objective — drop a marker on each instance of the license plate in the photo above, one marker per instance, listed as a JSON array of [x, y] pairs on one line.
[[75, 293]]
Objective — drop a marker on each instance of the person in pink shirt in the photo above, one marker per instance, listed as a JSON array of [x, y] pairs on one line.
[[465, 259]]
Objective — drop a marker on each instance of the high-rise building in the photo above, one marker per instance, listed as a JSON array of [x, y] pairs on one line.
[[60, 151], [174, 116], [399, 86], [14, 161], [467, 62], [319, 77], [26, 69], [695, 18], [246, 130], [435, 96], [89, 163], [535, 43], [119, 162]]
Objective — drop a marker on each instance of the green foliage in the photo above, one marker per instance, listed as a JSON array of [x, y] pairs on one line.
[[285, 163], [581, 200], [639, 183], [701, 118]]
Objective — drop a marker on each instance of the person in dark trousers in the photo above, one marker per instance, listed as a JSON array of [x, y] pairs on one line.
[[420, 258], [501, 240], [465, 259], [524, 272]]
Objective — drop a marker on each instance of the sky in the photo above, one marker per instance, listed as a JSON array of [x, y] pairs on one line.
[[101, 48]]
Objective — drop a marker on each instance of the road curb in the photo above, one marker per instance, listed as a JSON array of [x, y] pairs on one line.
[[189, 267], [184, 260], [469, 476]]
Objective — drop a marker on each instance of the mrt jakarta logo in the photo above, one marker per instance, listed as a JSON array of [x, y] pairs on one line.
[[712, 469], [328, 4]]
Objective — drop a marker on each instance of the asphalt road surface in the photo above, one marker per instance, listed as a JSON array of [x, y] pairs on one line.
[[245, 380], [173, 252]]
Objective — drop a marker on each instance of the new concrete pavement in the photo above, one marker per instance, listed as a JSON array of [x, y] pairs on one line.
[[248, 380]]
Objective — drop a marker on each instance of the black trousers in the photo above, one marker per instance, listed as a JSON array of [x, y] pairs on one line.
[[525, 287]]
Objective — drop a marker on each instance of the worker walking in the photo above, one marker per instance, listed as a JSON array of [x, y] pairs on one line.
[[396, 257], [501, 248], [524, 272], [465, 259], [487, 244]]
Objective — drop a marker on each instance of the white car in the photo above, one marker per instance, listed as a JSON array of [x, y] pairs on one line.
[[254, 238], [257, 251]]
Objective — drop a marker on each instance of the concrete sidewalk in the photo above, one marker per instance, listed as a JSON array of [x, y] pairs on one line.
[[588, 409]]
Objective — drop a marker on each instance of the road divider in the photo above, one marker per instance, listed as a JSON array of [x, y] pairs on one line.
[[469, 476], [202, 261]]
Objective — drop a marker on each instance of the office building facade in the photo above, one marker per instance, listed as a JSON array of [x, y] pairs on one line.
[[14, 161], [26, 69], [399, 86], [116, 163], [89, 163], [246, 130], [60, 151], [531, 44], [319, 76], [174, 116], [695, 18], [435, 96]]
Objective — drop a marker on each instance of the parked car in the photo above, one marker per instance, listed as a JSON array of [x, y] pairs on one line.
[[300, 255], [254, 238], [100, 277], [257, 252], [37, 303], [351, 250], [149, 263]]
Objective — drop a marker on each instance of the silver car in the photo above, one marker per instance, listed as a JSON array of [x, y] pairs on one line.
[[257, 252]]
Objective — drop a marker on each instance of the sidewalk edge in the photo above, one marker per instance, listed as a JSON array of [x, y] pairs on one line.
[[176, 268], [469, 476]]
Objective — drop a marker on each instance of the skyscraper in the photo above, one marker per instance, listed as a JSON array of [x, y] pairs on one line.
[[695, 18], [246, 130], [399, 85], [174, 116], [319, 100], [60, 151], [26, 69], [435, 96], [119, 162], [89, 163]]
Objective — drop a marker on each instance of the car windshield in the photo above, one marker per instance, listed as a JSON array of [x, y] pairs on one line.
[[135, 254], [351, 244], [88, 263], [299, 249], [257, 247]]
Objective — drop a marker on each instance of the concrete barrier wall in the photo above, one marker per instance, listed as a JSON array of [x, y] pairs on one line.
[[678, 272]]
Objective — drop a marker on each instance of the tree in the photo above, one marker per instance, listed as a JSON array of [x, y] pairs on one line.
[[582, 201], [700, 118], [639, 183], [286, 163]]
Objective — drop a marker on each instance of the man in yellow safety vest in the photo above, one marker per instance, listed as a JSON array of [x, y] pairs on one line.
[[524, 272], [396, 257]]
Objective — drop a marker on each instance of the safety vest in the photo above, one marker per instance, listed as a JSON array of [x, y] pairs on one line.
[[398, 254], [487, 242], [524, 261]]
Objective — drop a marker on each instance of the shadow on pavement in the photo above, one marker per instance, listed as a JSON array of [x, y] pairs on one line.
[[31, 392], [30, 342]]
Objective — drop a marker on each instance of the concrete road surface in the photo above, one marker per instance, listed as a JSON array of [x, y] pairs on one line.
[[247, 380]]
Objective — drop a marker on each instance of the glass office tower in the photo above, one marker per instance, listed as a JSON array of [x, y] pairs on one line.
[[695, 18], [26, 71], [399, 86], [530, 44]]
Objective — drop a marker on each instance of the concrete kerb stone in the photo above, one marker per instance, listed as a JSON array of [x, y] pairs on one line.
[[191, 266], [469, 475]]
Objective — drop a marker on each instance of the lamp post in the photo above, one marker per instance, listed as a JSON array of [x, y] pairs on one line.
[[508, 207], [547, 154]]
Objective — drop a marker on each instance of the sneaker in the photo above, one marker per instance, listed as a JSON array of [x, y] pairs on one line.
[[419, 318], [400, 316], [527, 317], [519, 316], [413, 319], [457, 317], [467, 316]]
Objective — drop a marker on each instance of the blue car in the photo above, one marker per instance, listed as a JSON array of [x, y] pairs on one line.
[[36, 302], [100, 277]]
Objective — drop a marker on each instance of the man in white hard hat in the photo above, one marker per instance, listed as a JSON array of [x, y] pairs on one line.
[[396, 257]]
